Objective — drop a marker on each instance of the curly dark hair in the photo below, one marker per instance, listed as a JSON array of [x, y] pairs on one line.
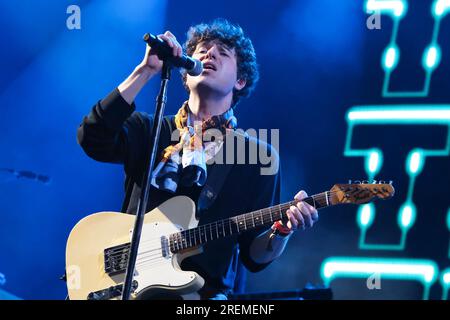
[[233, 37]]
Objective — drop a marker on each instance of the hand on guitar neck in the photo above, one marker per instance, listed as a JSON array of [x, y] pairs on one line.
[[302, 214]]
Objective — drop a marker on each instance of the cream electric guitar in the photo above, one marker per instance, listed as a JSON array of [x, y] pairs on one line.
[[97, 248]]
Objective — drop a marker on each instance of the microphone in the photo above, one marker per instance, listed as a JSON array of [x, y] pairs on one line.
[[193, 66]]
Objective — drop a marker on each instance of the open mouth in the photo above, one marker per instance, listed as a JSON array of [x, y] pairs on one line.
[[209, 66]]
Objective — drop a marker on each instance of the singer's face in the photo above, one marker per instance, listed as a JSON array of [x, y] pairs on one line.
[[219, 69]]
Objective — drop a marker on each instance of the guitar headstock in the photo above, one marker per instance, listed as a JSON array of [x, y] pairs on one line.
[[360, 193]]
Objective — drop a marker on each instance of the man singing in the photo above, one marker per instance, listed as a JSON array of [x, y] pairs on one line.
[[114, 132]]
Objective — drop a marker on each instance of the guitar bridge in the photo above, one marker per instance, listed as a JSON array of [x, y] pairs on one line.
[[116, 259], [111, 292]]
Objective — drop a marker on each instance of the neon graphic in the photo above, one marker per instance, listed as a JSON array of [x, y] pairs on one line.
[[394, 115], [431, 58], [423, 271], [445, 283], [448, 227]]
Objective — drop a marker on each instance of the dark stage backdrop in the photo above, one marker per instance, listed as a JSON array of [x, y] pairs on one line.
[[351, 102]]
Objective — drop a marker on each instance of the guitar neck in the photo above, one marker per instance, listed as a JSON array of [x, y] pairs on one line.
[[190, 238]]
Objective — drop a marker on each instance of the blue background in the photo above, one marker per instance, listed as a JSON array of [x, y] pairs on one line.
[[317, 59]]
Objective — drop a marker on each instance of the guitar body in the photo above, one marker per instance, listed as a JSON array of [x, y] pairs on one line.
[[97, 248], [158, 274]]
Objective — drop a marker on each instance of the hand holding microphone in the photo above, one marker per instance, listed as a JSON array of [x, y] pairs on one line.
[[166, 46]]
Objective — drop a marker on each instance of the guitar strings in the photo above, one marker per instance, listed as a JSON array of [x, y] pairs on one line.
[[181, 241], [197, 230]]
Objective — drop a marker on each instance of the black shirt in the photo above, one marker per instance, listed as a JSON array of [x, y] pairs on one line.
[[114, 132]]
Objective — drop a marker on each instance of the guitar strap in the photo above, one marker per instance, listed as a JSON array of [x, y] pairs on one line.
[[217, 174], [212, 187]]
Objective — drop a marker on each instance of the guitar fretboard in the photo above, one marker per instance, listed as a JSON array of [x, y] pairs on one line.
[[235, 225]]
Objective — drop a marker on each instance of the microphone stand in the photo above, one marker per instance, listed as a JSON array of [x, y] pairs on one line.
[[143, 199]]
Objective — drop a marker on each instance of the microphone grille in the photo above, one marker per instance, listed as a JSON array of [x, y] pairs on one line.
[[197, 69]]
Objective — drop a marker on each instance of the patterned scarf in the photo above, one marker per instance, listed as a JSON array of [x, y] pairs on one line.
[[185, 162]]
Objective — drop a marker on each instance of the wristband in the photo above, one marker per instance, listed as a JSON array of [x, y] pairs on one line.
[[279, 229]]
